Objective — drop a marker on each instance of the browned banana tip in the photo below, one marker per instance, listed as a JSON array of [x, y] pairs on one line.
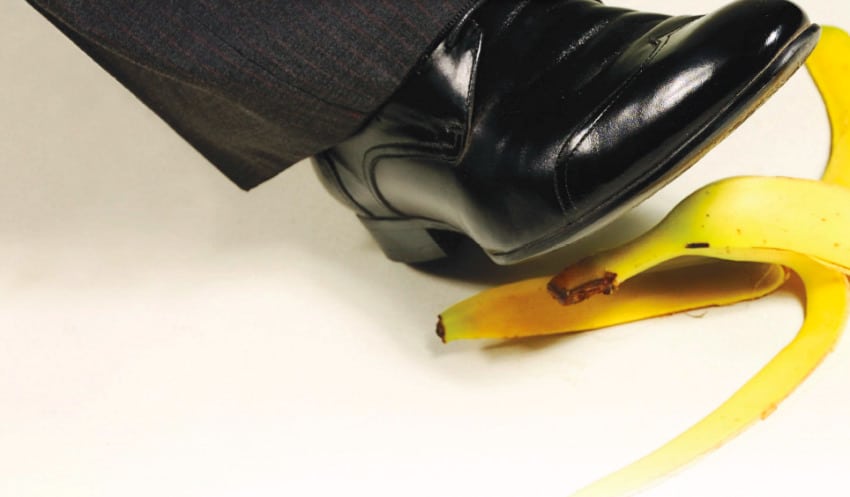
[[557, 287]]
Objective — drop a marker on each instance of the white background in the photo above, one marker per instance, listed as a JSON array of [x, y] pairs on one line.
[[164, 333]]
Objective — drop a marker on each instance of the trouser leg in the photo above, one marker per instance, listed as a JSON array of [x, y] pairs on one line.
[[256, 86]]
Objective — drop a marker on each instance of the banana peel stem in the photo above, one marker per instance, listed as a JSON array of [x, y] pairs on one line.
[[605, 284]]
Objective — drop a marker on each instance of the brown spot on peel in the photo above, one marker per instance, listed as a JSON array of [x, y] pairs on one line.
[[701, 245], [441, 330], [567, 296], [768, 411]]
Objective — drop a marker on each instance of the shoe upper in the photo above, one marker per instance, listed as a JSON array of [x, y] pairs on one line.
[[537, 119]]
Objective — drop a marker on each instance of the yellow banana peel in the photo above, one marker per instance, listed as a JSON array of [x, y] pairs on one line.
[[721, 220], [793, 223], [525, 308], [829, 65]]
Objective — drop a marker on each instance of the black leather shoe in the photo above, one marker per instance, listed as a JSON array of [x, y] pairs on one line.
[[535, 123]]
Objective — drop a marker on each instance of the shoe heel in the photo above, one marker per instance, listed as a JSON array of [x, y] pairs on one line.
[[408, 240]]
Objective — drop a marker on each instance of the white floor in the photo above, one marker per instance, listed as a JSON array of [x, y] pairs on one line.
[[164, 333]]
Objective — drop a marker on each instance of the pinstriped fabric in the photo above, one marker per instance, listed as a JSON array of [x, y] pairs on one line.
[[256, 85]]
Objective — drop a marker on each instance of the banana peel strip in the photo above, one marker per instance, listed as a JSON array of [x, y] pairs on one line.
[[829, 65], [526, 309], [718, 221]]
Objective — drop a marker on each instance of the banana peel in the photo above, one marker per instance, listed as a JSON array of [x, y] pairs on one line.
[[525, 309], [725, 220], [722, 221]]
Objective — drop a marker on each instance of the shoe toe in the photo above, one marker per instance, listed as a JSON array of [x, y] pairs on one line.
[[752, 28], [689, 84]]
